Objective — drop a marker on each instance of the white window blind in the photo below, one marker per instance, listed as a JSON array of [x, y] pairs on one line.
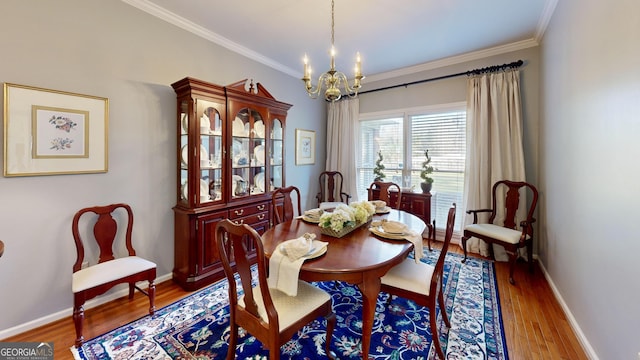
[[441, 131]]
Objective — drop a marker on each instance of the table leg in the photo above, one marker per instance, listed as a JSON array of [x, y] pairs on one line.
[[370, 288]]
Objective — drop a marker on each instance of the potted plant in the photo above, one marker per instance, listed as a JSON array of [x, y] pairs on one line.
[[427, 169], [377, 171]]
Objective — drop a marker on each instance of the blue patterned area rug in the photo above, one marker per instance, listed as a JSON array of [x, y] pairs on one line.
[[197, 327]]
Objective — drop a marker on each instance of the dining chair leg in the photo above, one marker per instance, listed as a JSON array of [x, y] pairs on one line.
[[443, 309], [434, 332], [513, 256], [331, 324], [464, 248], [78, 320], [233, 339], [530, 255]]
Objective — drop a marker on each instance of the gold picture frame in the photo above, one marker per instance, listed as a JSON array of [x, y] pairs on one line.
[[52, 132], [305, 147]]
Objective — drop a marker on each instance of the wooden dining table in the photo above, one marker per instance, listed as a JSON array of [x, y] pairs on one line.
[[359, 258]]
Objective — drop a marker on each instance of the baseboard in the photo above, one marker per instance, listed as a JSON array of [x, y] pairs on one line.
[[586, 346], [19, 329]]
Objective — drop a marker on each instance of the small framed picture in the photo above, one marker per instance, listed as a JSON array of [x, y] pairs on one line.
[[51, 132], [305, 147]]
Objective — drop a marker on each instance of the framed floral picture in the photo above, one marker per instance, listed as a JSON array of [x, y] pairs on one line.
[[305, 147], [51, 132]]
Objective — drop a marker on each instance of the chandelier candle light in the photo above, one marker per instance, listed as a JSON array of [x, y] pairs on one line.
[[332, 80]]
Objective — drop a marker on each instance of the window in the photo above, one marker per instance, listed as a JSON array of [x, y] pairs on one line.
[[402, 137]]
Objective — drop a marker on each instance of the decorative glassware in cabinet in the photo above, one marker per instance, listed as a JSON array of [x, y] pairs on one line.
[[240, 150], [277, 153], [210, 155], [258, 154]]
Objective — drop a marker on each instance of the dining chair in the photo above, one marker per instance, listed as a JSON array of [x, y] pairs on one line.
[[90, 280], [422, 283], [285, 211], [269, 315], [385, 190], [505, 201], [331, 193]]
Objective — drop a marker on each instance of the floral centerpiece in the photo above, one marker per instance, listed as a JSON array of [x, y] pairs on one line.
[[346, 218]]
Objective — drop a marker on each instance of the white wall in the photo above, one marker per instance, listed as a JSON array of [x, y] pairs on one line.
[[590, 126], [110, 49]]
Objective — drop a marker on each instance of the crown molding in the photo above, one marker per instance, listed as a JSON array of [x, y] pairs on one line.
[[198, 30], [547, 13], [453, 60]]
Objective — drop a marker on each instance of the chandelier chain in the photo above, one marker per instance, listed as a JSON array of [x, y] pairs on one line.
[[332, 23]]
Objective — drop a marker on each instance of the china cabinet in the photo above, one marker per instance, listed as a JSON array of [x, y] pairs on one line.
[[230, 157]]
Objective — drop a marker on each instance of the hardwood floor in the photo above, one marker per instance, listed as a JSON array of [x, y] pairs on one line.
[[535, 325]]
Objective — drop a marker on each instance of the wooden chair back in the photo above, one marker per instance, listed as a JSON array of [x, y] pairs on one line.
[[290, 207], [385, 193], [511, 191], [234, 243], [331, 185]]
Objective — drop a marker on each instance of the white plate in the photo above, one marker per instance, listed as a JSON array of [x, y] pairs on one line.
[[185, 191], [258, 180], [236, 148], [384, 210], [310, 220], [380, 232], [258, 152], [204, 189], [317, 249], [238, 127], [258, 126], [185, 123], [205, 124], [184, 154]]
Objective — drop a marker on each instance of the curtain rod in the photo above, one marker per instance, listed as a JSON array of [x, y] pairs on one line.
[[488, 69]]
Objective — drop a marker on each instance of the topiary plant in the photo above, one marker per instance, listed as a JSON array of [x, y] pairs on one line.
[[377, 171], [427, 169]]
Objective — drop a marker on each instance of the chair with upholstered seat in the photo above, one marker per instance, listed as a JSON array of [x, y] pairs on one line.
[[331, 194], [284, 208], [269, 315], [505, 203], [422, 283], [384, 191], [110, 269]]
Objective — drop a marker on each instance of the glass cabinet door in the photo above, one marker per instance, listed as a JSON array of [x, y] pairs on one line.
[[204, 158], [276, 155], [248, 154], [211, 146]]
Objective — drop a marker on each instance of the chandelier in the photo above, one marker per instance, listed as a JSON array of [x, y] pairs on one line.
[[332, 80]]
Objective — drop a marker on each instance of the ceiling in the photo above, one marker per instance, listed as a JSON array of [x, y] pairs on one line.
[[392, 36]]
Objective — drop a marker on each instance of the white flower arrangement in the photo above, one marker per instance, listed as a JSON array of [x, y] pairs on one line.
[[347, 215]]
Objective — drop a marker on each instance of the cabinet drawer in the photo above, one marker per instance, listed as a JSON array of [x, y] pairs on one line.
[[248, 210], [252, 219]]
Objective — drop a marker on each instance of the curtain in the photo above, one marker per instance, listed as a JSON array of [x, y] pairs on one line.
[[494, 145], [342, 133]]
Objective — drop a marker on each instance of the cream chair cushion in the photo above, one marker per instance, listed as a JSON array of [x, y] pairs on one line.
[[410, 275], [290, 308], [497, 232], [107, 271]]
